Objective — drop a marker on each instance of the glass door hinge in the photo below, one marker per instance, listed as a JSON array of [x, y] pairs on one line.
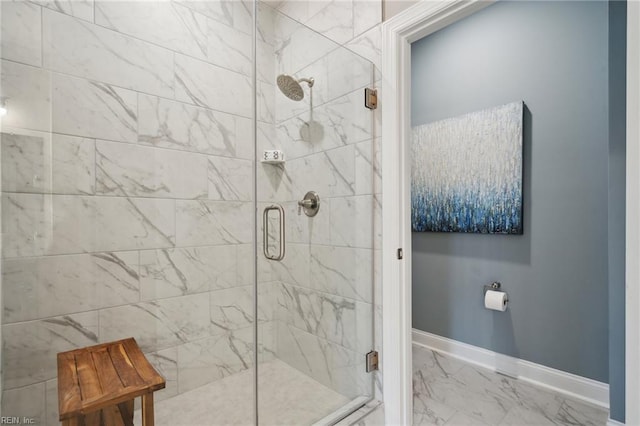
[[372, 361], [370, 98]]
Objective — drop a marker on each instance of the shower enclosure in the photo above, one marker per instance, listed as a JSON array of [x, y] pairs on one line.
[[141, 196]]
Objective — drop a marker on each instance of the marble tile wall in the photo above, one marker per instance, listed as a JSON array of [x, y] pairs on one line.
[[126, 195], [324, 288]]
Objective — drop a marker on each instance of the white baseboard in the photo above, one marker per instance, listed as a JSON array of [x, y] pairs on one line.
[[612, 422], [577, 387]]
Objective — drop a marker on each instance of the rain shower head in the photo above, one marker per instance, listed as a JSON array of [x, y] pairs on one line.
[[291, 88]]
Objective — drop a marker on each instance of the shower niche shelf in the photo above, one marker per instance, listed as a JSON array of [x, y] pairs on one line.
[[272, 156]]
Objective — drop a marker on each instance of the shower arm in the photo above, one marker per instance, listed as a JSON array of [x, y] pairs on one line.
[[309, 81]]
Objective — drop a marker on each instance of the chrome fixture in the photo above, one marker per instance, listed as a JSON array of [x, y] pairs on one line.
[[310, 204], [291, 88], [265, 232]]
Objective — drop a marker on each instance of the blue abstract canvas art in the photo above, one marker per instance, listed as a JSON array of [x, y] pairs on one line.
[[467, 173]]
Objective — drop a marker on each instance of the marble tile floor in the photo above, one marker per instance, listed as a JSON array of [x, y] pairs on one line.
[[447, 391], [287, 397]]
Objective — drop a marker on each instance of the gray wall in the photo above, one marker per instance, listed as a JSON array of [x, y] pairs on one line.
[[617, 169], [554, 56]]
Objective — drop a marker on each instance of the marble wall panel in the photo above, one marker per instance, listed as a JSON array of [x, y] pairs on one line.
[[168, 24], [93, 109], [128, 170], [30, 348], [40, 287], [181, 271], [85, 50], [21, 32], [169, 124], [28, 93]]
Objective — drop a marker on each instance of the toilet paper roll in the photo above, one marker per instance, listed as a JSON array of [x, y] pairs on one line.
[[496, 300]]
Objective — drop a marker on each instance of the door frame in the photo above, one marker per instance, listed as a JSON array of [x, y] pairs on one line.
[[416, 22]]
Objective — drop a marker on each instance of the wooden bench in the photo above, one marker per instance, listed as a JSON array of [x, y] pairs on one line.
[[97, 385]]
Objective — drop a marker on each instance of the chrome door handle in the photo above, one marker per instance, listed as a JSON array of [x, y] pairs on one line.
[[265, 232]]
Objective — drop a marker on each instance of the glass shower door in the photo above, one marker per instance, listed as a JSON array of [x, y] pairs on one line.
[[315, 224]]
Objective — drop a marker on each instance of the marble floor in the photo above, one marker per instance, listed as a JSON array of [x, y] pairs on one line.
[[447, 391], [287, 397]]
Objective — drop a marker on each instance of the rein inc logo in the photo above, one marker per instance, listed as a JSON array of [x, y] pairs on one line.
[[17, 420]]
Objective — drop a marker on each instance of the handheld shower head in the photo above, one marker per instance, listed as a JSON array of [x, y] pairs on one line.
[[291, 88]]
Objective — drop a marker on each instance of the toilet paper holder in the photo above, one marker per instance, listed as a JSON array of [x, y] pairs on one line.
[[493, 286]]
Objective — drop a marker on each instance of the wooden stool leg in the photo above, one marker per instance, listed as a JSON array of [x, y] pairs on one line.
[[126, 412], [71, 422], [147, 409]]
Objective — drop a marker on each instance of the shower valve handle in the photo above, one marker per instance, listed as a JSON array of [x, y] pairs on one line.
[[310, 204]]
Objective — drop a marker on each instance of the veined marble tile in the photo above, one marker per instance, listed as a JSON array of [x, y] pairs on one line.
[[265, 98], [354, 72], [28, 93], [73, 165], [244, 138], [298, 10], [89, 224], [461, 419], [366, 14], [219, 10], [213, 358], [95, 110], [82, 9], [211, 86], [21, 32], [130, 170], [330, 364], [166, 363], [24, 163], [30, 348], [243, 15], [246, 258], [330, 317], [170, 124], [345, 121], [460, 393], [298, 46], [164, 23], [519, 416], [176, 272], [230, 179], [369, 45], [25, 402], [232, 309], [40, 287], [275, 182], [85, 50], [265, 60], [230, 48], [364, 168], [298, 135], [330, 173], [266, 342], [294, 268], [576, 413], [51, 401], [334, 21], [38, 162], [160, 324], [428, 412], [213, 222], [352, 221], [24, 224], [342, 271]]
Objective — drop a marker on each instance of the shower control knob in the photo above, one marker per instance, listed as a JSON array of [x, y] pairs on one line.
[[310, 204]]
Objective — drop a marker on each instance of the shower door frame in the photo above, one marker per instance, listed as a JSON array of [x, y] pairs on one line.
[[398, 33]]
